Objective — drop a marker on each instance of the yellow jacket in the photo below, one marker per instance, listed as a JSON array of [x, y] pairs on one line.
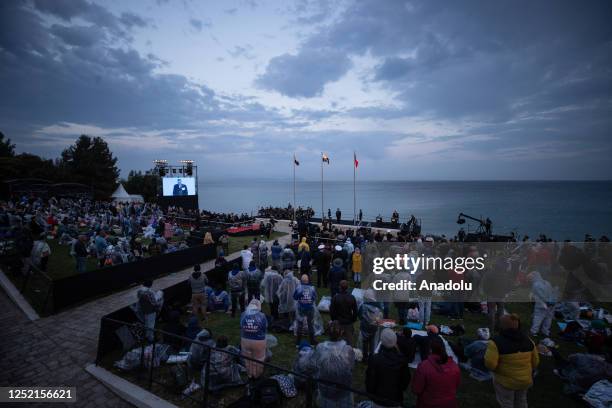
[[512, 357], [303, 245], [356, 262]]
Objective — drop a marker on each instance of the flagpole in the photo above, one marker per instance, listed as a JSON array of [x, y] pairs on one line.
[[322, 206], [354, 190], [294, 187]]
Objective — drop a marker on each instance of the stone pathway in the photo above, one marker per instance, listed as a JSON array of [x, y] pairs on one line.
[[54, 351]]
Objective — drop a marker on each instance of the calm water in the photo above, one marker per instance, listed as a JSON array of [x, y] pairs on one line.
[[560, 209]]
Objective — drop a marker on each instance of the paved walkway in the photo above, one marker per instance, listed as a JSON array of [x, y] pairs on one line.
[[54, 350]]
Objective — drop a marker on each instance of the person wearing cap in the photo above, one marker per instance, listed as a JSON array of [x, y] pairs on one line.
[[253, 328], [512, 357], [343, 309], [198, 282], [322, 262], [337, 273], [387, 375], [306, 297]]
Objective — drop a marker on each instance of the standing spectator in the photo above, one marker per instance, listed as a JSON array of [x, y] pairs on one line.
[[263, 255], [269, 287], [343, 309], [253, 278], [436, 379], [101, 245], [247, 257], [224, 243], [322, 262], [253, 327], [336, 275], [275, 254], [236, 280], [286, 290], [305, 259], [148, 306], [369, 315], [387, 375], [356, 266], [198, 282], [306, 297], [334, 360], [41, 252], [338, 215], [80, 253], [544, 304], [287, 258], [406, 344], [512, 357]]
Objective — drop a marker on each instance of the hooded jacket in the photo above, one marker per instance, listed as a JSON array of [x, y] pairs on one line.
[[543, 293], [236, 280], [276, 251], [303, 245], [387, 376], [512, 357], [219, 300], [436, 384], [306, 297], [253, 325], [337, 273]]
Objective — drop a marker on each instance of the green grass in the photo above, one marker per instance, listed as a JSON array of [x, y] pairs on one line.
[[546, 392]]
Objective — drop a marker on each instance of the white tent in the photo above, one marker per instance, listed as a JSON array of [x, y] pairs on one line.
[[122, 196]]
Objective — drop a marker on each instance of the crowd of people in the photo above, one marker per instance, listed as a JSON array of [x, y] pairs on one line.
[[110, 232], [289, 279]]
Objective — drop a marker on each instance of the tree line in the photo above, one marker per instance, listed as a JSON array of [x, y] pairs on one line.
[[88, 161]]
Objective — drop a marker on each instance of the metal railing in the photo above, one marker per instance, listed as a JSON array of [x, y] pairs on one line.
[[151, 377]]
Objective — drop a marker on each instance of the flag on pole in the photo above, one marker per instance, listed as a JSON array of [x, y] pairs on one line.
[[355, 160], [297, 163], [325, 158]]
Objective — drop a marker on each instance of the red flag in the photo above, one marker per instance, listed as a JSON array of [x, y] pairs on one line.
[[355, 159]]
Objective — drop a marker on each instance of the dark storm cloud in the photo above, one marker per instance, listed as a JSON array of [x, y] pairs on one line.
[[133, 20], [306, 73], [77, 73]]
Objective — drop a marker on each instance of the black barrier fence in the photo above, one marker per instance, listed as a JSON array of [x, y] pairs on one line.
[[159, 375], [85, 286]]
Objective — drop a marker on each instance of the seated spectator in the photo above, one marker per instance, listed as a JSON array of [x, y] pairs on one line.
[[199, 350], [224, 365], [334, 360], [219, 301], [475, 350], [193, 327], [436, 379], [387, 375], [581, 370]]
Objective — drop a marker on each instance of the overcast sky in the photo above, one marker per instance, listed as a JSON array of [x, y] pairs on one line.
[[419, 89]]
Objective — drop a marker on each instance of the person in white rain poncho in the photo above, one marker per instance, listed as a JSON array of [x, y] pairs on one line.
[[286, 302], [269, 288], [334, 360], [247, 257], [263, 255], [544, 297], [224, 366]]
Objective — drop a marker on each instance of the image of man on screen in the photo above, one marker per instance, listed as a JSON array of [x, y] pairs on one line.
[[180, 189]]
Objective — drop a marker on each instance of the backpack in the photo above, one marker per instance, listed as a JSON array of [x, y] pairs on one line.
[[266, 393]]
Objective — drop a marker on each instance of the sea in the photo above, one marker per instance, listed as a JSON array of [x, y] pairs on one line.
[[559, 209]]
